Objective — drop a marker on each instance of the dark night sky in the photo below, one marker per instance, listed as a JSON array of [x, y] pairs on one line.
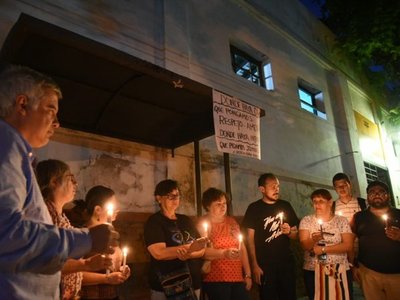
[[312, 6]]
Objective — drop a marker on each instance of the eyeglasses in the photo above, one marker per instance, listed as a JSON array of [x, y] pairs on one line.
[[173, 196], [377, 193]]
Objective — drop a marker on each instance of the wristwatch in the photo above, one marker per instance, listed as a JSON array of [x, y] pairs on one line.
[[247, 276]]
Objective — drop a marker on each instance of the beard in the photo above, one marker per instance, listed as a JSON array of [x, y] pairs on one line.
[[379, 203]]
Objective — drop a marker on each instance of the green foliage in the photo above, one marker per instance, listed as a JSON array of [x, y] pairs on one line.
[[369, 32]]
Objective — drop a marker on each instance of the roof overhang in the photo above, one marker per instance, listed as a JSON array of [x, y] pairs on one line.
[[109, 92]]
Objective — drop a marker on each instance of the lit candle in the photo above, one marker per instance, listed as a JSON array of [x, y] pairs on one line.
[[385, 217], [240, 238], [124, 253], [340, 213], [281, 217], [110, 212], [320, 225], [205, 226]]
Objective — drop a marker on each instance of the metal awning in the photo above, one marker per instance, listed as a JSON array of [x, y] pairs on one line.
[[109, 92]]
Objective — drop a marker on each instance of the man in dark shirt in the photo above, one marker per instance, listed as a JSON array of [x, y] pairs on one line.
[[377, 228], [271, 223]]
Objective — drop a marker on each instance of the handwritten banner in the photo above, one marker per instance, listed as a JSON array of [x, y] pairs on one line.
[[237, 126]]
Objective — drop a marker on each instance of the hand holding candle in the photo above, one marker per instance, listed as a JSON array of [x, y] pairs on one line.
[[281, 217]]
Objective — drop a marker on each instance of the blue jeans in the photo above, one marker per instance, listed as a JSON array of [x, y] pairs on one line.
[[226, 290]]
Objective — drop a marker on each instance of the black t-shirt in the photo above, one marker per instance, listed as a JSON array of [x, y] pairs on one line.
[[271, 245], [376, 251], [160, 229]]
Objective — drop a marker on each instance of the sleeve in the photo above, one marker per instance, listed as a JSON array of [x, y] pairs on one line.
[[344, 225], [249, 219], [153, 232], [304, 224], [27, 244]]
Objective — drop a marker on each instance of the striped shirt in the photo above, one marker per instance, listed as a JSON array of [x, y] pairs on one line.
[[347, 209]]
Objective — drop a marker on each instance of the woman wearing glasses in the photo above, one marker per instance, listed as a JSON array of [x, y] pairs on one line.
[[326, 239], [58, 187], [175, 247]]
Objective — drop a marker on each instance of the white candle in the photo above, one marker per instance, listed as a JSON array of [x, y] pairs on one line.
[[240, 238], [124, 253], [320, 225], [110, 212], [205, 226], [385, 217]]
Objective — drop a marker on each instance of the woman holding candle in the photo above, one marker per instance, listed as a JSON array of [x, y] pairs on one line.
[[58, 186], [99, 206], [175, 248], [230, 274], [326, 239]]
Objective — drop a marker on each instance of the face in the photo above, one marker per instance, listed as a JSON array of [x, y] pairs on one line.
[[377, 197], [66, 188], [218, 208], [270, 190], [39, 124], [321, 205], [342, 188], [169, 202]]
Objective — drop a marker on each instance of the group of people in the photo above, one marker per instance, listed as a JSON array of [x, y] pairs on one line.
[[342, 240], [43, 256]]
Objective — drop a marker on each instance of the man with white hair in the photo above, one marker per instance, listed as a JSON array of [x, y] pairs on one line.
[[32, 249]]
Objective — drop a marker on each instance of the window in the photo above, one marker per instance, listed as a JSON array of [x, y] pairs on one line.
[[251, 69], [311, 99]]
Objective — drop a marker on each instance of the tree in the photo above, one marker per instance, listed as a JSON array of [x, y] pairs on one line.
[[369, 32]]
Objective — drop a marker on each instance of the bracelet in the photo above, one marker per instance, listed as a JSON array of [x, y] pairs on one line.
[[323, 250], [247, 276]]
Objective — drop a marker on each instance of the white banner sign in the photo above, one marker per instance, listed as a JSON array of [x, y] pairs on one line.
[[237, 126]]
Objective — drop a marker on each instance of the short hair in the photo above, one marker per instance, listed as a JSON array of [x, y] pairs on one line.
[[166, 186], [340, 176], [264, 177], [97, 195], [20, 80], [211, 195], [46, 171], [321, 193], [378, 183]]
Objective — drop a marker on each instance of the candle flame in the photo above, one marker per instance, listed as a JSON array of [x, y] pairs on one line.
[[320, 222], [205, 226], [240, 238], [340, 213], [110, 209], [385, 217]]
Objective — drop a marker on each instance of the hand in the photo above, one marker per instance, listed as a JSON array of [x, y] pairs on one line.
[[316, 236], [198, 244], [115, 278], [104, 238], [232, 253], [393, 232], [98, 262], [318, 249], [285, 227], [182, 253], [125, 270], [248, 283], [257, 273]]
